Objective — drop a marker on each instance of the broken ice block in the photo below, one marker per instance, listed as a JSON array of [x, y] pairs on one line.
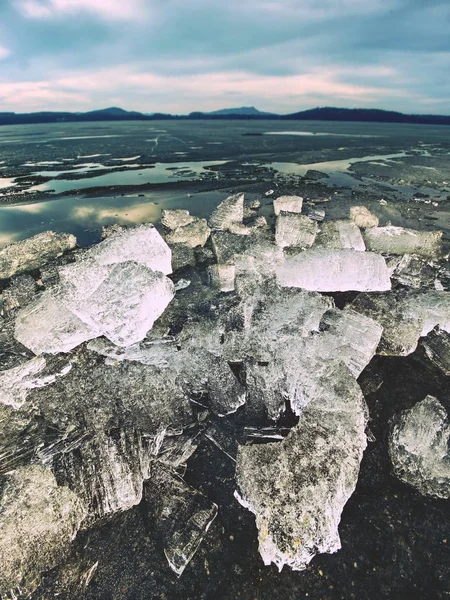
[[127, 303], [405, 316], [362, 217], [181, 515], [291, 204], [325, 270], [437, 348], [226, 245], [171, 219], [229, 212], [192, 235], [34, 252], [266, 389], [418, 447], [46, 326], [297, 488], [38, 520], [142, 244], [340, 235], [15, 383], [222, 277], [399, 240], [295, 230]]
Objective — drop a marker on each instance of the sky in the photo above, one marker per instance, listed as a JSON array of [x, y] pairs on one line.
[[178, 56]]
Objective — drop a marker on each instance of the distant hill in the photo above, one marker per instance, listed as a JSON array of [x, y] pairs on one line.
[[249, 111], [245, 113], [365, 115]]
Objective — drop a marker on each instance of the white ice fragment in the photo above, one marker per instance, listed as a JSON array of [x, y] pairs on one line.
[[127, 303], [229, 212], [295, 230], [222, 277], [363, 218], [399, 240], [340, 235], [47, 326], [292, 204], [418, 447], [325, 270]]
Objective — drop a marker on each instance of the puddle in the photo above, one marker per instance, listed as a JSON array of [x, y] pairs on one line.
[[159, 173], [314, 133]]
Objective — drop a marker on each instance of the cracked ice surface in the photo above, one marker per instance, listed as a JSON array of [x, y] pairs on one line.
[[298, 488]]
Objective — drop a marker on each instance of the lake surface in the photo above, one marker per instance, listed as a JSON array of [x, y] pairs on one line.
[[79, 176]]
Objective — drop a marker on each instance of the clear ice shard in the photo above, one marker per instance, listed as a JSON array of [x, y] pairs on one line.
[[297, 488], [291, 204], [172, 219], [181, 515], [193, 234], [47, 326], [418, 447], [20, 292], [324, 270], [437, 348], [38, 520], [142, 244], [405, 315], [16, 383], [222, 277], [228, 214], [340, 235], [399, 240], [295, 230], [125, 305], [363, 218], [34, 252]]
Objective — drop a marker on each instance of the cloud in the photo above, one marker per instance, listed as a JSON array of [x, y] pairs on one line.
[[105, 9], [4, 52]]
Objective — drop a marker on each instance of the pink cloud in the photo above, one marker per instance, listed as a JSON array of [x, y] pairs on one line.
[[150, 91], [106, 9], [4, 52]]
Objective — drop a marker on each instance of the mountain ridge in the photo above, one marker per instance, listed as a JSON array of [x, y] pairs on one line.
[[115, 113]]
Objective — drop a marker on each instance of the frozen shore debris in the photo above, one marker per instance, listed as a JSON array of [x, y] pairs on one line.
[[34, 252], [418, 447], [252, 329]]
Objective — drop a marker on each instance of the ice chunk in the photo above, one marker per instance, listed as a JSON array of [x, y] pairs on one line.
[[106, 471], [362, 217], [291, 204], [340, 235], [15, 383], [298, 488], [19, 293], [226, 245], [38, 520], [316, 214], [229, 212], [222, 277], [192, 235], [127, 303], [142, 244], [325, 270], [34, 252], [405, 316], [47, 326], [418, 447], [158, 353], [295, 230], [399, 240], [266, 389], [437, 348], [413, 271], [182, 516], [172, 219]]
